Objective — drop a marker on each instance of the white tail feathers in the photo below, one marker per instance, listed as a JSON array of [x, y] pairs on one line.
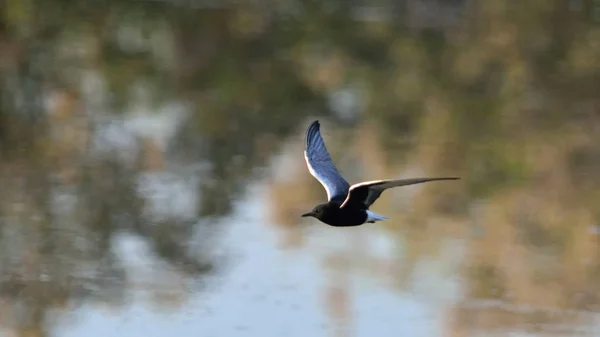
[[374, 217]]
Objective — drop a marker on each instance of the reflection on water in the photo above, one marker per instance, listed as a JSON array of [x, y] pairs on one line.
[[267, 292], [152, 172]]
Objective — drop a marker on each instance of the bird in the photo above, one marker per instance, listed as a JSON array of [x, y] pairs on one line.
[[346, 205]]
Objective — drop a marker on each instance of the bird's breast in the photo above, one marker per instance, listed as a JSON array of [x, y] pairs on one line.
[[347, 217]]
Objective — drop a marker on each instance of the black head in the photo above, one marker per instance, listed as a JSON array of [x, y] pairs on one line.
[[320, 211]]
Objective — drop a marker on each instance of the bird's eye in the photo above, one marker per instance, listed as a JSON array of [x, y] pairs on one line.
[[318, 211]]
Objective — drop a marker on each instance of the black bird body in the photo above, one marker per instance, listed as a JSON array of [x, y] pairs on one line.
[[331, 214], [347, 205]]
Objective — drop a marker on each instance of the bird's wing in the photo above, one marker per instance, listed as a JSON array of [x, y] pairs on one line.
[[363, 195], [321, 166]]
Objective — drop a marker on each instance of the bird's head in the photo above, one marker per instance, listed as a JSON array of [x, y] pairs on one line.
[[317, 212]]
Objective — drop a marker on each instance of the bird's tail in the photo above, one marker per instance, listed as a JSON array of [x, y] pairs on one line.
[[374, 217]]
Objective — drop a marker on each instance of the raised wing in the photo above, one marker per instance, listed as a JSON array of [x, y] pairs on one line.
[[321, 166], [363, 195]]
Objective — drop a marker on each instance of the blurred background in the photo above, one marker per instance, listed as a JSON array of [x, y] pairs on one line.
[[152, 175]]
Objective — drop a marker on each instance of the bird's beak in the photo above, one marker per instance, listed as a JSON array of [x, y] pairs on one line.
[[307, 214]]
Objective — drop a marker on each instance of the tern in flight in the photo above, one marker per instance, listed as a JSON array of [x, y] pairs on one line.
[[346, 205]]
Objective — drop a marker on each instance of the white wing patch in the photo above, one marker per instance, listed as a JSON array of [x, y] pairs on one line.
[[376, 187], [321, 166], [314, 174], [381, 187], [371, 183]]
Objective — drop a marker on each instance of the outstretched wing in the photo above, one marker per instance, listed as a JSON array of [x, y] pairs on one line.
[[321, 166], [363, 195]]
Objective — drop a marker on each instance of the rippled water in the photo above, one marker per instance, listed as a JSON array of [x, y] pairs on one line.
[[338, 282], [269, 279], [267, 291]]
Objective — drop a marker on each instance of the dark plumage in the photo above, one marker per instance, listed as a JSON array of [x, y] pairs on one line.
[[347, 205]]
